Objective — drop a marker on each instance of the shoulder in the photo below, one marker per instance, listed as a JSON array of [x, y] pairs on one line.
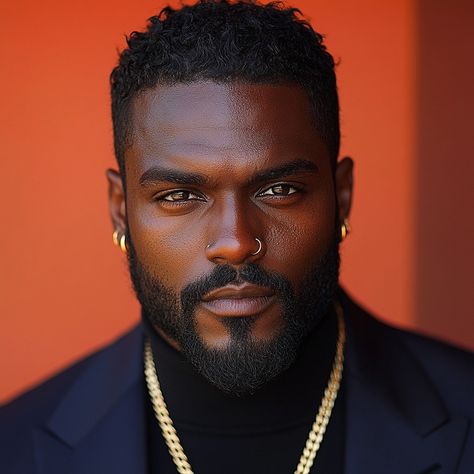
[[449, 369], [438, 357], [34, 407]]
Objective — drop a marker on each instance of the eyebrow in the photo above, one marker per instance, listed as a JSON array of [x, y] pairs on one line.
[[158, 174], [286, 169]]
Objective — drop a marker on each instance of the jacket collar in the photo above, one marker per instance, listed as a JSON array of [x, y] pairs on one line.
[[396, 421]]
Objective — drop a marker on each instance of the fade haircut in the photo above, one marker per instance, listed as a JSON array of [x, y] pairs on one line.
[[226, 41]]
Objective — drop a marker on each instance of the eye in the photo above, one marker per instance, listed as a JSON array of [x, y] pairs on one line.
[[179, 196], [281, 189]]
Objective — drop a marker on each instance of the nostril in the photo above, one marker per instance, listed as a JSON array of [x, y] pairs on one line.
[[233, 250]]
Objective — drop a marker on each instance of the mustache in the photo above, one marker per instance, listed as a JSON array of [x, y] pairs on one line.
[[223, 275]]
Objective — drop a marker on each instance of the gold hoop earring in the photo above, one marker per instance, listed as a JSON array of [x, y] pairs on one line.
[[115, 237], [123, 244], [345, 229]]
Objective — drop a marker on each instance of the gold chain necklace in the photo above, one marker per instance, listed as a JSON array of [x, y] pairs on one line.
[[316, 434]]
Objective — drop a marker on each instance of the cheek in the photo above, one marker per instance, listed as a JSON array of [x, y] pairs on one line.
[[297, 243], [171, 249]]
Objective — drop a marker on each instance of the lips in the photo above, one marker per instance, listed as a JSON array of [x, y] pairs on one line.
[[239, 301]]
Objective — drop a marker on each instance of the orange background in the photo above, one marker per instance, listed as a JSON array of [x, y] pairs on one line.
[[405, 80]]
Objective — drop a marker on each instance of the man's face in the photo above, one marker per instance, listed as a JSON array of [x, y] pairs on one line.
[[211, 168]]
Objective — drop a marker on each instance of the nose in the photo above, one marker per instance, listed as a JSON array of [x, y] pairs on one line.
[[234, 251], [233, 236]]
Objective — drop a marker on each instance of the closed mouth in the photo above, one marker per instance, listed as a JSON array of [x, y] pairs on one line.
[[231, 306]]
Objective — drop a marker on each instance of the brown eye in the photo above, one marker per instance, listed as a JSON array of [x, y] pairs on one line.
[[279, 190], [180, 195]]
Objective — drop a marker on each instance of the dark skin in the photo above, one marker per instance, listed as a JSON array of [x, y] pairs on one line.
[[222, 164]]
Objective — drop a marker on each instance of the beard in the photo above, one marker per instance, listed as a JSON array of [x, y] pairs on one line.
[[244, 364]]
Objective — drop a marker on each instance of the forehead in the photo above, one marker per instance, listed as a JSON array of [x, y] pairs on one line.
[[239, 121]]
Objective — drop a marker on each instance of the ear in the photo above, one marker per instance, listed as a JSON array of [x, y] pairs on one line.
[[117, 206], [344, 181]]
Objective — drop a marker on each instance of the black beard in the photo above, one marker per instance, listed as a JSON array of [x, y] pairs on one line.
[[244, 365]]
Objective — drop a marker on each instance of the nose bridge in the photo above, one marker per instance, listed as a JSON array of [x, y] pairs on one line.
[[232, 233], [232, 218]]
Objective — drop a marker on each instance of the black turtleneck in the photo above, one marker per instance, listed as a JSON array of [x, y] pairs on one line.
[[260, 433]]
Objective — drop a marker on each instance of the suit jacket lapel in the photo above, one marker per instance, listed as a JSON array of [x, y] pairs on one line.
[[99, 426], [396, 422]]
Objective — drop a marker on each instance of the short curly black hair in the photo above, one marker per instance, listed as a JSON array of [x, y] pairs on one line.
[[224, 41]]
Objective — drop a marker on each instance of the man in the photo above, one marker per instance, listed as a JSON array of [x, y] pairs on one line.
[[230, 205]]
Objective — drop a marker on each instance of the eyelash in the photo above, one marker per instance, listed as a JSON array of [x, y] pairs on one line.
[[178, 202]]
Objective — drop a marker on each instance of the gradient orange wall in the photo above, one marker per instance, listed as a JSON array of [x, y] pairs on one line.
[[64, 287], [444, 236]]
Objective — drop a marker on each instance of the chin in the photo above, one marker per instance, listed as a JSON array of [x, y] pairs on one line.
[[221, 333]]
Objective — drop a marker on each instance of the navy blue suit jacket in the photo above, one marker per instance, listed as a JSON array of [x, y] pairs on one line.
[[409, 409]]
